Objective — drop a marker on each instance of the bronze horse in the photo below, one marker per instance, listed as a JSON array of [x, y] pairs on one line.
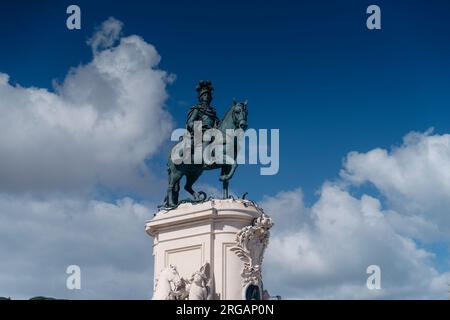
[[235, 118]]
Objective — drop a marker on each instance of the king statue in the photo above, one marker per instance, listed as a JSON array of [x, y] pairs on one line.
[[205, 114], [203, 111]]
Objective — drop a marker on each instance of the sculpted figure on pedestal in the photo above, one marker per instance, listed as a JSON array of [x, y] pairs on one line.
[[167, 282], [170, 286], [200, 288], [251, 243]]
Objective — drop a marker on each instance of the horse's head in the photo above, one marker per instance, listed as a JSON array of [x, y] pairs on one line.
[[167, 280], [239, 114], [171, 274]]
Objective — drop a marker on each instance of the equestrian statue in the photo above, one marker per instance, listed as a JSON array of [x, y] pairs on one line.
[[189, 158]]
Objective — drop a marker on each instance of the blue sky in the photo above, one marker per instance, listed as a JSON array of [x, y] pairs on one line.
[[309, 68]]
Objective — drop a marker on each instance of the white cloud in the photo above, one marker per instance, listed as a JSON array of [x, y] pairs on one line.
[[414, 178], [41, 238], [107, 35], [98, 126], [287, 209], [323, 251]]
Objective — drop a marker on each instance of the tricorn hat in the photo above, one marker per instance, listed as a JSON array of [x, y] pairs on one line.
[[204, 86]]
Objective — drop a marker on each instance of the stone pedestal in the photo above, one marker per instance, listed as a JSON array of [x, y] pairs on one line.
[[195, 235]]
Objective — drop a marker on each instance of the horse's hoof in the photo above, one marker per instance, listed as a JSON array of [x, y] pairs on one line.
[[203, 195], [200, 196]]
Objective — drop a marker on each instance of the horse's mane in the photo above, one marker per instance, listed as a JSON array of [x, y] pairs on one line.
[[227, 114]]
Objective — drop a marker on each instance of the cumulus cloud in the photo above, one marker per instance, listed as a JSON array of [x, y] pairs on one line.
[[108, 34], [41, 238], [94, 129], [97, 127], [323, 251], [414, 178]]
